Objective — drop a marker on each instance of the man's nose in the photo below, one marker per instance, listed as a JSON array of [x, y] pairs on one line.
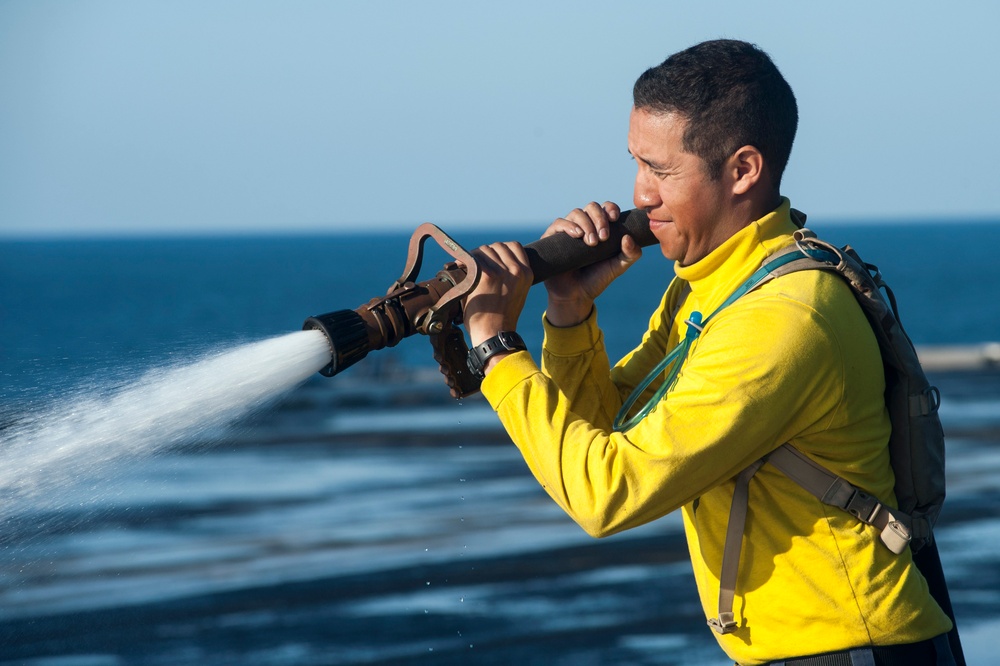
[[645, 194]]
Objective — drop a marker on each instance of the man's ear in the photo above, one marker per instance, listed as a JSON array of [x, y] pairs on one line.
[[746, 167]]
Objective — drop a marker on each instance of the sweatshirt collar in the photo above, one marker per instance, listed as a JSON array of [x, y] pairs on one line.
[[715, 277]]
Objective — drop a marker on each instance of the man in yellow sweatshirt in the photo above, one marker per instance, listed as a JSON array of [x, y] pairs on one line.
[[794, 361]]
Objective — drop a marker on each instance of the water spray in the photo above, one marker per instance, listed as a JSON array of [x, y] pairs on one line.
[[434, 307], [43, 454]]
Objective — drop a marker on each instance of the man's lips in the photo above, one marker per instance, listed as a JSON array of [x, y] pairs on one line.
[[655, 224]]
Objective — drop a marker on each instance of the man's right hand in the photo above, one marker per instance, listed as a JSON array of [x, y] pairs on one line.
[[572, 294]]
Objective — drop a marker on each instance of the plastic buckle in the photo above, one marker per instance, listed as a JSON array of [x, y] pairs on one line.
[[724, 624], [863, 506], [896, 537]]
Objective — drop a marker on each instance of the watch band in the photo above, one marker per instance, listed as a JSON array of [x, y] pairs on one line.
[[501, 342]]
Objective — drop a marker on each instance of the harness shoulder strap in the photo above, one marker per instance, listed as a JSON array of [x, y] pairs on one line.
[[725, 623], [811, 476], [822, 484]]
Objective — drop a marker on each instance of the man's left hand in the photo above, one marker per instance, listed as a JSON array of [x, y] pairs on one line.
[[496, 303]]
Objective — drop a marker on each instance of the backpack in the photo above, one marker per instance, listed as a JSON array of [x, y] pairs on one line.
[[916, 443]]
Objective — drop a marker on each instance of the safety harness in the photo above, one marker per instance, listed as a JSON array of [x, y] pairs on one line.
[[916, 445]]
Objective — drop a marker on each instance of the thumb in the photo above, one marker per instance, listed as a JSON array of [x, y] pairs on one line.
[[631, 253]]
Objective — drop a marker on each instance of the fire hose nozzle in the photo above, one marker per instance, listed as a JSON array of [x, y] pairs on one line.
[[434, 307], [348, 336]]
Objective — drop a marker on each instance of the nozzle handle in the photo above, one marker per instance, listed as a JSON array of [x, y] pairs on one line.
[[560, 253]]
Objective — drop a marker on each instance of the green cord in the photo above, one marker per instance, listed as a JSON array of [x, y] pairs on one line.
[[675, 358]]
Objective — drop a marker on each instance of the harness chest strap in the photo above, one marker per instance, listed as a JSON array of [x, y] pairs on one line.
[[833, 490]]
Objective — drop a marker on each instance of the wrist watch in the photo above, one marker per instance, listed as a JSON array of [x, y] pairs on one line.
[[501, 342]]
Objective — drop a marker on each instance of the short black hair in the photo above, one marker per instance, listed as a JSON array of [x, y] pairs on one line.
[[731, 94]]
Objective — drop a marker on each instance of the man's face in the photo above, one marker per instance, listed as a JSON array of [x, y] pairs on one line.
[[685, 206]]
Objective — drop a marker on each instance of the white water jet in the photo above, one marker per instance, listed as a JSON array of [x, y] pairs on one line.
[[43, 453]]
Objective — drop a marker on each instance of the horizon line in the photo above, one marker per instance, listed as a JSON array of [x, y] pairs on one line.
[[396, 228]]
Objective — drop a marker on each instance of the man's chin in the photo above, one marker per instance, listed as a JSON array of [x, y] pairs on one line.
[[670, 251]]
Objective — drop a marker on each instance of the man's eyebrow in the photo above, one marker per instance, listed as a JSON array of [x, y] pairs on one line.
[[652, 165]]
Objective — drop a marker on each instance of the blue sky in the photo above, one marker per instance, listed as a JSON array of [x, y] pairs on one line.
[[241, 116]]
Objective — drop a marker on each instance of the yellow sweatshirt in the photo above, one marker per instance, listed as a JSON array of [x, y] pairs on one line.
[[794, 361]]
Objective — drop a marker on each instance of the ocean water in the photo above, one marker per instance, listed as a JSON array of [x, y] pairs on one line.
[[369, 518]]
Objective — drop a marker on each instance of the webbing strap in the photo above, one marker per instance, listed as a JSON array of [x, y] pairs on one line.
[[905, 654], [925, 403], [825, 486], [726, 622], [833, 490], [856, 657], [763, 274]]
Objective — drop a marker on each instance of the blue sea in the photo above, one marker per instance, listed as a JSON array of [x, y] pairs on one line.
[[369, 518]]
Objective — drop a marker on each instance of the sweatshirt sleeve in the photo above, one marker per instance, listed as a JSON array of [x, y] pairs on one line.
[[736, 399]]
